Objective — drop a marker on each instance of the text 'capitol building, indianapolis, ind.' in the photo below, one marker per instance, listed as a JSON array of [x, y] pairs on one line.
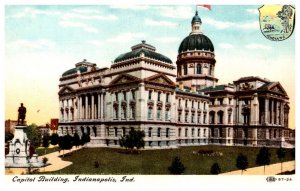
[[175, 106]]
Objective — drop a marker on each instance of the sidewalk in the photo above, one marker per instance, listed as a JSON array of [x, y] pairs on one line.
[[272, 169], [56, 163]]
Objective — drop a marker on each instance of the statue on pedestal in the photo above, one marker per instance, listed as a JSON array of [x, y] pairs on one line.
[[22, 114]]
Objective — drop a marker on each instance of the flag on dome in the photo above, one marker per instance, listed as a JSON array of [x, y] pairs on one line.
[[206, 6]]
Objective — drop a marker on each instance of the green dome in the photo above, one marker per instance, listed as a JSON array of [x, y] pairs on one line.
[[196, 18], [147, 50], [196, 42], [82, 69]]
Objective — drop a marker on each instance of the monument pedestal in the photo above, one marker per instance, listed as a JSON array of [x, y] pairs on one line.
[[19, 155]]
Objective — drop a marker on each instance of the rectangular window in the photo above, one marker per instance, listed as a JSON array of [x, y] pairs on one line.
[[124, 96], [167, 115], [167, 97], [198, 104], [186, 117], [149, 113], [133, 94], [179, 102], [158, 96], [116, 132], [221, 101], [193, 104], [150, 132], [204, 118], [179, 116], [116, 95], [186, 103], [198, 118], [186, 132], [198, 133], [158, 114], [158, 132], [167, 132], [192, 118], [133, 112], [150, 95], [204, 132]]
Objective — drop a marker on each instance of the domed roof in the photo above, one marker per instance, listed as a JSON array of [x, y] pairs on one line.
[[196, 42], [196, 18], [147, 50], [74, 70]]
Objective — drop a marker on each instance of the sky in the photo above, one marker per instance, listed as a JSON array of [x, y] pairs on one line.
[[42, 42]]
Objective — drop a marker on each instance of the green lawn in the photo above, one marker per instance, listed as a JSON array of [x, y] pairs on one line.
[[112, 161], [41, 151]]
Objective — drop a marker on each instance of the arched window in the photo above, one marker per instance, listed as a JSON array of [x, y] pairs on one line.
[[220, 117], [158, 132], [199, 69], [211, 117]]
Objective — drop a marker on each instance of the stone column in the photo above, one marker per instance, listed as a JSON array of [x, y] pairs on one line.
[[239, 114], [70, 104], [103, 106], [86, 107], [272, 112], [266, 110], [282, 114], [78, 107], [93, 106], [99, 107], [65, 112], [254, 118]]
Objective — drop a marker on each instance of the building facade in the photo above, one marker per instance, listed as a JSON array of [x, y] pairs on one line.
[[175, 106]]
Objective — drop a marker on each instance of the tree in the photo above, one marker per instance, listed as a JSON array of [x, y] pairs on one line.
[[54, 139], [34, 135], [242, 162], [215, 169], [76, 140], [45, 160], [281, 152], [135, 139], [65, 143], [8, 136], [176, 167], [45, 142], [85, 138], [263, 157]]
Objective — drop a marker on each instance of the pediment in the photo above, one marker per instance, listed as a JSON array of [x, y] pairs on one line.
[[66, 90], [160, 79], [276, 87], [124, 79]]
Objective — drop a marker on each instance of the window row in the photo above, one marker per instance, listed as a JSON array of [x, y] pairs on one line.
[[193, 118], [124, 111], [159, 132], [158, 96], [193, 132], [123, 95], [220, 117], [192, 104], [159, 114]]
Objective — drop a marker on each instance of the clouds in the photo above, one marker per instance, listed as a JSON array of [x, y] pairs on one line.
[[179, 12], [33, 13], [80, 25], [27, 44], [151, 22], [257, 46], [226, 45], [126, 37], [229, 25], [253, 11]]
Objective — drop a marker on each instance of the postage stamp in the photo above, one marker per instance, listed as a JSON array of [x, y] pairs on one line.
[[106, 94]]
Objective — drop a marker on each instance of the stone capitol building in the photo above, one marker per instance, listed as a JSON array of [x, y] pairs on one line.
[[175, 106]]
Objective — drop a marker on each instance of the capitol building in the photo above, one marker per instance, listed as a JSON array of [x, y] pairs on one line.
[[175, 104]]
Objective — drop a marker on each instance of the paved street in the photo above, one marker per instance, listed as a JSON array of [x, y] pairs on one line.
[[270, 169]]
